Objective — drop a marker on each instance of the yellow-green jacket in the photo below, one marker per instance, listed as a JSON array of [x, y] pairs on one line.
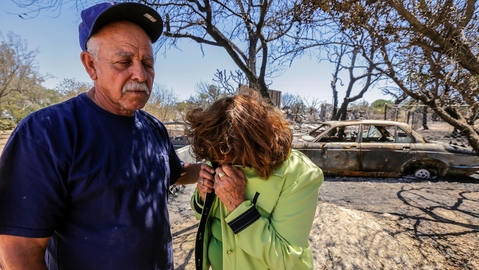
[[271, 233]]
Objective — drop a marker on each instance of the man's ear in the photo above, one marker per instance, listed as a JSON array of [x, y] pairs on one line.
[[89, 63]]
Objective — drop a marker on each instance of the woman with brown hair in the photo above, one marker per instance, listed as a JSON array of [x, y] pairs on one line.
[[263, 194]]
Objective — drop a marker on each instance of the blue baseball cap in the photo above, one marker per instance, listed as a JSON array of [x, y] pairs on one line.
[[97, 16]]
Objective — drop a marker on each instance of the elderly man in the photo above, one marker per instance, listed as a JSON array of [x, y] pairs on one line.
[[83, 184]]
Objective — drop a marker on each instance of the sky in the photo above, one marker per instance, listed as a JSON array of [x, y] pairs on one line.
[[55, 35]]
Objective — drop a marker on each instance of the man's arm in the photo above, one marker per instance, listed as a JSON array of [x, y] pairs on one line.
[[190, 174], [18, 252]]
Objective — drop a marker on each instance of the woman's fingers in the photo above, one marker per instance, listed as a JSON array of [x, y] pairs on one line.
[[206, 171], [230, 171], [205, 182], [230, 186]]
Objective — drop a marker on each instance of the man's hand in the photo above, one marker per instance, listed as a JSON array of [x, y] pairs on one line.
[[189, 175]]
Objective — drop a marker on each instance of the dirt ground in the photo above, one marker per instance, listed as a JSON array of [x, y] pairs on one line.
[[397, 224]]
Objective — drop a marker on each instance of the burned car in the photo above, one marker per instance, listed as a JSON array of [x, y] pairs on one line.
[[378, 148]]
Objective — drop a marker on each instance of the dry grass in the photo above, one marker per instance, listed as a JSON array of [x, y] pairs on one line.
[[4, 135]]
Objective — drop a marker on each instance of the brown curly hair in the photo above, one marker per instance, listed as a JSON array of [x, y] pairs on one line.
[[244, 128]]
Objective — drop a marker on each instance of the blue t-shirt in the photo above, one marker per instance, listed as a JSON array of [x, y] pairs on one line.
[[95, 182]]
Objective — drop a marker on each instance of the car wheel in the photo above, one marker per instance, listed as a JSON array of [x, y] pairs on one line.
[[422, 174]]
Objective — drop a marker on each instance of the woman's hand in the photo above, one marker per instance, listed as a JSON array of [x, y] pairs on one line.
[[205, 181], [230, 186]]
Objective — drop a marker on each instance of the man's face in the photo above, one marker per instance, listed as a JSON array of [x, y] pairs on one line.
[[123, 69]]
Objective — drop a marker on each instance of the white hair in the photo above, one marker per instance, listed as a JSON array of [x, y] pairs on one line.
[[92, 47]]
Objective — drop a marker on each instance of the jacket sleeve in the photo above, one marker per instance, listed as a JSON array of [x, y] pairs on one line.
[[280, 240], [196, 204]]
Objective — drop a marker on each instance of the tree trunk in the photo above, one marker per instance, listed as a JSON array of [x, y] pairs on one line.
[[424, 117]]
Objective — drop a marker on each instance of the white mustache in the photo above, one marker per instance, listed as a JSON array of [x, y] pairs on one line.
[[135, 86]]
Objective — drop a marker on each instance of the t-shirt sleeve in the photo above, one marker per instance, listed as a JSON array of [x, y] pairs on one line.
[[176, 166], [31, 193]]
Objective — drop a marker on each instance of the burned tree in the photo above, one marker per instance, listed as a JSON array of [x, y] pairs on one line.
[[253, 33], [429, 50], [358, 73]]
